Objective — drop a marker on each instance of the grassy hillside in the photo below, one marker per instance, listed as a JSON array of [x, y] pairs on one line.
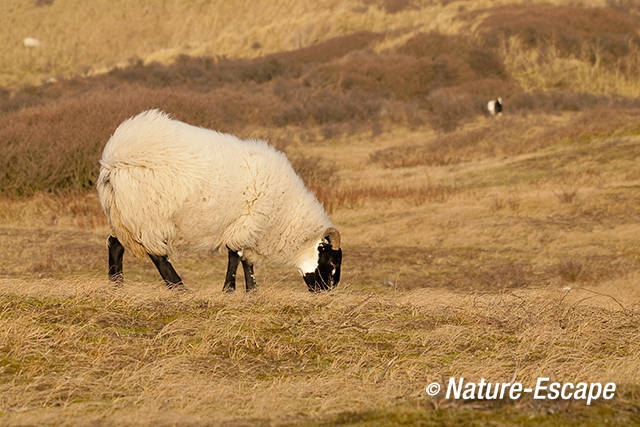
[[84, 38], [477, 247], [78, 37]]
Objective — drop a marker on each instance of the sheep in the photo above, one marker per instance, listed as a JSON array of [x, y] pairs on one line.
[[165, 185], [495, 106], [31, 42]]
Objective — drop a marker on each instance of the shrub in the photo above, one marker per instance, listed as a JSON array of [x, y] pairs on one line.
[[609, 30], [52, 135]]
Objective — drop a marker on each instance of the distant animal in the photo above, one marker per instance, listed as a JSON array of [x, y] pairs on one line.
[[495, 106], [31, 42], [165, 184]]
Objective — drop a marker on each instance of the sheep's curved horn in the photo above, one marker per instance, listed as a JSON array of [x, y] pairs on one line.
[[332, 236]]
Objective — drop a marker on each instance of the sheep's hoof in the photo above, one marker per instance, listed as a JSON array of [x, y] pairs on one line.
[[117, 278], [178, 287]]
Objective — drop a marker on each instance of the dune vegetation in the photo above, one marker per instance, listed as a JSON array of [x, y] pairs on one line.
[[500, 248]]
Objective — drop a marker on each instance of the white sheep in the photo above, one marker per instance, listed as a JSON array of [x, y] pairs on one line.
[[31, 42], [164, 184], [495, 106]]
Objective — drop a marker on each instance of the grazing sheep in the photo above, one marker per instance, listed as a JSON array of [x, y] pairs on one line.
[[495, 106], [31, 42], [165, 184]]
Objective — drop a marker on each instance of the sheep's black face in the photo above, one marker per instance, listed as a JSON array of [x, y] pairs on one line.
[[327, 274]]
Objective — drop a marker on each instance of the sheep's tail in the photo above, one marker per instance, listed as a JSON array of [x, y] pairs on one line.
[[109, 201]]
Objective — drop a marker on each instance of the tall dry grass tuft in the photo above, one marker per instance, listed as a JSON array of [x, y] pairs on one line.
[[580, 49], [569, 28]]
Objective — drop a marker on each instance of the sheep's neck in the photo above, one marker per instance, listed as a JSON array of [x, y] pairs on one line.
[[307, 262]]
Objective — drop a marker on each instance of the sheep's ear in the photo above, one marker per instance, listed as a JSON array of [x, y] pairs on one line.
[[332, 237]]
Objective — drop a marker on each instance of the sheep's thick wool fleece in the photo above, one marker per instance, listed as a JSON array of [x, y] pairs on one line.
[[164, 183]]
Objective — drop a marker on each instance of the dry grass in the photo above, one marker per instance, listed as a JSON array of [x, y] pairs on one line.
[[289, 98], [511, 136], [495, 275], [340, 86], [473, 246], [84, 40], [584, 71], [591, 50], [83, 350], [335, 87]]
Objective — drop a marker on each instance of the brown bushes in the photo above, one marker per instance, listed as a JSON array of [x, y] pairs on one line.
[[56, 146], [52, 135], [609, 30], [472, 60], [340, 68]]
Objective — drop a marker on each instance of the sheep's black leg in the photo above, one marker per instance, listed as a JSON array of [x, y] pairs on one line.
[[167, 272], [249, 277], [232, 267], [116, 252]]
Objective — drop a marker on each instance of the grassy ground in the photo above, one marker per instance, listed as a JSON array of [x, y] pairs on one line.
[[477, 247], [517, 272], [82, 350]]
